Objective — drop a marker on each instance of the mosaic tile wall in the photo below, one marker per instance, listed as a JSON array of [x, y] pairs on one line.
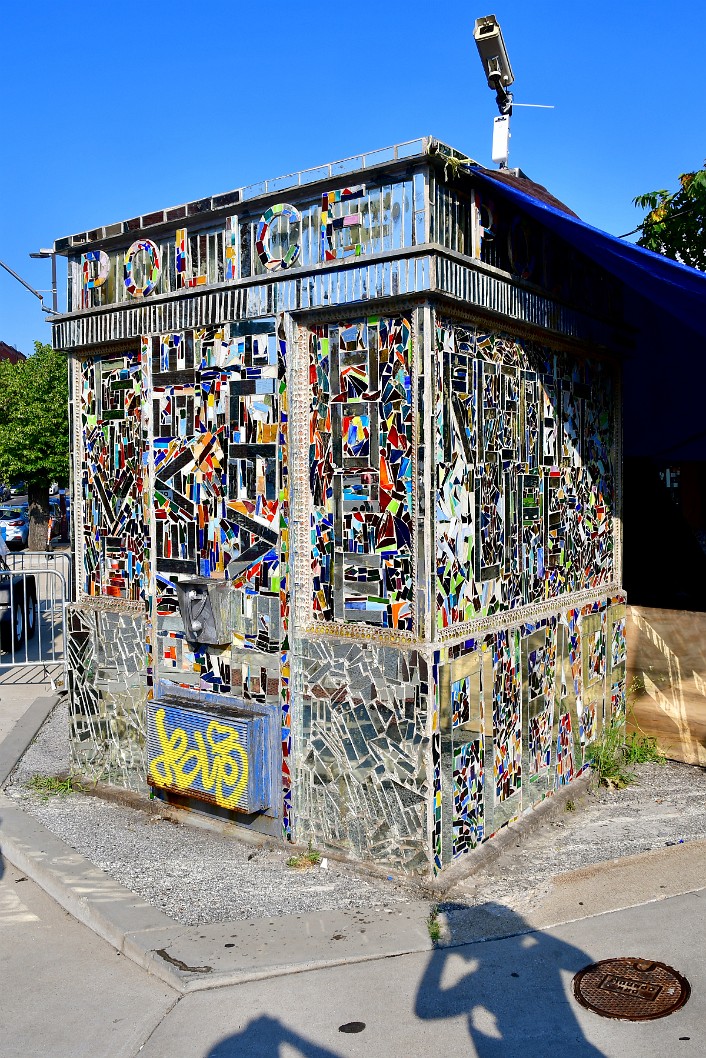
[[513, 713], [362, 473], [221, 507], [386, 740], [525, 480], [107, 701], [362, 783], [114, 529]]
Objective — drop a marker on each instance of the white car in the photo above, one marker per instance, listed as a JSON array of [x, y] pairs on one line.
[[14, 520]]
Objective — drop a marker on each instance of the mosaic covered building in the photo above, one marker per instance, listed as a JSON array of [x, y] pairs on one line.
[[346, 486]]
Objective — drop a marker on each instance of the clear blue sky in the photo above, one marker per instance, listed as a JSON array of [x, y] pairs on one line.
[[111, 111]]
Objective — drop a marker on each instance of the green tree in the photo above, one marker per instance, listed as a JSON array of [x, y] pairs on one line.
[[676, 222], [34, 431]]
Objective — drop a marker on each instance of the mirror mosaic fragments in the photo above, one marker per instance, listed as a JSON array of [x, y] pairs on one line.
[[401, 520]]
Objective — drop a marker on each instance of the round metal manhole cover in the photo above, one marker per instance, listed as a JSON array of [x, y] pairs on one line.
[[631, 989]]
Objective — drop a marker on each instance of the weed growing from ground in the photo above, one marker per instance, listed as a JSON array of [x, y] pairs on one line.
[[433, 925], [611, 755], [52, 786], [643, 750], [310, 858]]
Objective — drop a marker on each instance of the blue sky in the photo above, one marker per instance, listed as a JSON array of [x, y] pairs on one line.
[[111, 111]]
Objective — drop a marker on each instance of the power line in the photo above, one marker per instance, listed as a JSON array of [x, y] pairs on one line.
[[653, 223]]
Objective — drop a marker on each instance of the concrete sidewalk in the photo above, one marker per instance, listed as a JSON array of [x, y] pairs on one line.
[[199, 958]]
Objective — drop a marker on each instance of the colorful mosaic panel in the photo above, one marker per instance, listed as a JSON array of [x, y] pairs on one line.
[[507, 730], [221, 507], [564, 751], [468, 797], [524, 474], [618, 652], [112, 482], [539, 694], [520, 697], [361, 473]]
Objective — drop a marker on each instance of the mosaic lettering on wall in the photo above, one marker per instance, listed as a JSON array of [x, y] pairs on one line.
[[114, 527], [525, 489], [221, 506], [361, 473], [343, 222], [361, 776]]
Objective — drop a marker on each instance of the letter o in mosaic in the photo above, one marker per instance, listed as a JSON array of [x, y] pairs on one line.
[[262, 236], [152, 270], [519, 248]]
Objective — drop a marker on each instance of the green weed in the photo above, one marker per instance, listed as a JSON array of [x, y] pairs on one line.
[[643, 750], [612, 754], [52, 786], [433, 925], [608, 758], [310, 858]]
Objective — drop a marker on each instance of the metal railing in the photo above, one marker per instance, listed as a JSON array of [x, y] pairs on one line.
[[34, 592]]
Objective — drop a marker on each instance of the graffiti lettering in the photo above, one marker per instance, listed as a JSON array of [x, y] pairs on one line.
[[219, 761]]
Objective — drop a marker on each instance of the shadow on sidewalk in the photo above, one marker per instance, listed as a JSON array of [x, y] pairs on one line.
[[510, 990], [263, 1038]]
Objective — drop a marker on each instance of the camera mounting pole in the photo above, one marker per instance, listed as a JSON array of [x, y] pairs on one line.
[[493, 54]]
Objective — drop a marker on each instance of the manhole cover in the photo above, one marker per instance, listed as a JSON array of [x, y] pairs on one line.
[[631, 989]]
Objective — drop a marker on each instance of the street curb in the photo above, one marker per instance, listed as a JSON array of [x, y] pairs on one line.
[[25, 730], [141, 931]]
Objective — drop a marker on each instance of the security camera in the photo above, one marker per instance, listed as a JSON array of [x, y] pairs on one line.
[[493, 54]]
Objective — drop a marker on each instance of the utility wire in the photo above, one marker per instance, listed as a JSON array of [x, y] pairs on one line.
[[653, 223]]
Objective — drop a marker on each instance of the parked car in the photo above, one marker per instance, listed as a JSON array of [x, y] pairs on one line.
[[4, 492], [14, 519], [19, 488], [18, 607]]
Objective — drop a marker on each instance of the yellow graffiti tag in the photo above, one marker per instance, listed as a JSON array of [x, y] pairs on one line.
[[179, 766]]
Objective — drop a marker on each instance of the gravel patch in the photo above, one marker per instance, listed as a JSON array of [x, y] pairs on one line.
[[198, 876], [193, 875], [665, 806]]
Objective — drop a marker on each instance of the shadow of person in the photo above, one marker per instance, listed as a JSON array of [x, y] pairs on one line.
[[263, 1037], [509, 986]]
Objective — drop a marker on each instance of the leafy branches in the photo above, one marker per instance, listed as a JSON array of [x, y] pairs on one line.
[[675, 224], [34, 422]]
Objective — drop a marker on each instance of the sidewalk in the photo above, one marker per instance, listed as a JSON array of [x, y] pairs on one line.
[[202, 957]]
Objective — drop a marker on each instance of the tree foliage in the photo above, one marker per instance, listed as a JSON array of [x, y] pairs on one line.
[[675, 224], [34, 430]]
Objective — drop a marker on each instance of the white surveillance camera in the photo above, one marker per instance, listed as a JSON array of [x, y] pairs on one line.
[[493, 54]]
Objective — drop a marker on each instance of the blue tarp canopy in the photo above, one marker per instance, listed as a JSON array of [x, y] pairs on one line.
[[664, 394], [676, 288]]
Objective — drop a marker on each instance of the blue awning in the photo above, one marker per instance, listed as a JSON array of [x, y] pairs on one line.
[[676, 288]]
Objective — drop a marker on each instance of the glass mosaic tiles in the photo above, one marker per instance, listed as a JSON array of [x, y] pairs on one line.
[[525, 481], [411, 517], [361, 473], [115, 532]]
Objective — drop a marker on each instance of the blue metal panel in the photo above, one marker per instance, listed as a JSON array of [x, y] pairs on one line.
[[212, 756]]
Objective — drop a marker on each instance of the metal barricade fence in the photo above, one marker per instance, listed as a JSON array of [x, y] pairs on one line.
[[34, 592]]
